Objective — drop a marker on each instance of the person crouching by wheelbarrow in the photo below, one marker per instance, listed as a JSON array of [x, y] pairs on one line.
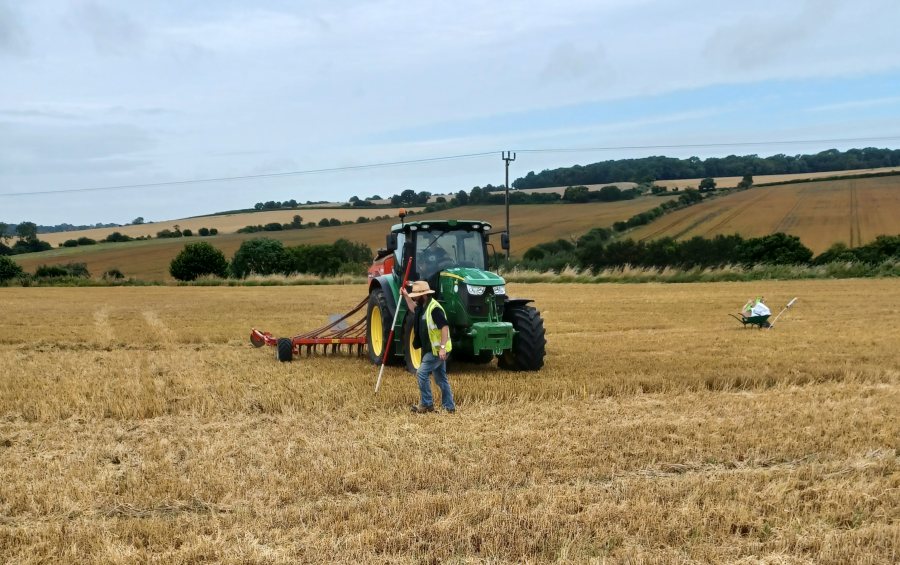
[[430, 328], [755, 308]]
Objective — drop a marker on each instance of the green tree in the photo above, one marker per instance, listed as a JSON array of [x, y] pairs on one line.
[[707, 184], [261, 256], [609, 193], [27, 231], [196, 260], [9, 269], [777, 248], [576, 194], [138, 221]]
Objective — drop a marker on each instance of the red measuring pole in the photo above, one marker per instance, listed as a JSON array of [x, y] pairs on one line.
[[387, 345]]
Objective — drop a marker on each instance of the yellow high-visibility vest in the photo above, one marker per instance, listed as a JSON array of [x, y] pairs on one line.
[[434, 332]]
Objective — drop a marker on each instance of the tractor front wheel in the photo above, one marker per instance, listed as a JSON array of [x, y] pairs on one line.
[[528, 351], [378, 327]]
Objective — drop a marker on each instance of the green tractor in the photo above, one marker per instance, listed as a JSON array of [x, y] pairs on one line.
[[484, 322]]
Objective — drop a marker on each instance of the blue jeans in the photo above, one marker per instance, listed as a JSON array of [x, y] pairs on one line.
[[433, 364]]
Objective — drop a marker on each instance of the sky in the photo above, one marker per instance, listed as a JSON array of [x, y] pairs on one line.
[[97, 94]]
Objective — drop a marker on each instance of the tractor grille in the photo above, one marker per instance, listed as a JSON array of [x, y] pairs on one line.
[[477, 305]]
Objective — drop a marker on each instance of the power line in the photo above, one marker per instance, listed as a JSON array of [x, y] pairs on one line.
[[257, 176], [449, 158]]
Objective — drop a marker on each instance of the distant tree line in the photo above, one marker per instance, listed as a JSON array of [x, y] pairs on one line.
[[10, 270], [27, 241], [598, 249], [647, 169], [265, 256], [298, 224]]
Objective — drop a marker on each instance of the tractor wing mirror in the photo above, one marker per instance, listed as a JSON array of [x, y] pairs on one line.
[[504, 241], [391, 242]]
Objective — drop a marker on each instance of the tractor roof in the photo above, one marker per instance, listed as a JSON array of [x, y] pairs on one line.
[[443, 225]]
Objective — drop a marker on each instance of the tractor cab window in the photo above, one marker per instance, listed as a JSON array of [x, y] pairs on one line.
[[399, 260], [439, 250]]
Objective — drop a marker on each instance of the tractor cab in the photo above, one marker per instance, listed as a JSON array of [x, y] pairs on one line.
[[437, 246]]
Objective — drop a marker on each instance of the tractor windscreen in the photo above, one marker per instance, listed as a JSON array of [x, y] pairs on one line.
[[437, 250]]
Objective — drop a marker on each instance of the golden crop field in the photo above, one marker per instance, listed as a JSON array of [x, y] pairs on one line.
[[139, 425], [225, 223], [853, 211], [731, 182], [531, 224]]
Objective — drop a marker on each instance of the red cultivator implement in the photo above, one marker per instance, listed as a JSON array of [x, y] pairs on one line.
[[336, 334]]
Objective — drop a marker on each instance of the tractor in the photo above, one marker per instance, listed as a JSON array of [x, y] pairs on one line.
[[452, 256]]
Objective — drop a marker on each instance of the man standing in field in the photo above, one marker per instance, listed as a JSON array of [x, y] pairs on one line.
[[431, 333]]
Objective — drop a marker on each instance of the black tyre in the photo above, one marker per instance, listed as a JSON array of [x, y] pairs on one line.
[[528, 348], [285, 350], [378, 327], [411, 355]]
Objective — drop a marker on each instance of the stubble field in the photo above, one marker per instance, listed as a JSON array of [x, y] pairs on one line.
[[139, 425], [852, 211]]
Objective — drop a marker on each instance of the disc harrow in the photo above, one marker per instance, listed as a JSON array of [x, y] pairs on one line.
[[334, 336]]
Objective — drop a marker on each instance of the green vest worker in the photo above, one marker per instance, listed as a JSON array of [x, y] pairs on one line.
[[431, 334]]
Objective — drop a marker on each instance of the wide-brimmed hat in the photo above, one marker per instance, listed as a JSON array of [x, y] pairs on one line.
[[420, 288]]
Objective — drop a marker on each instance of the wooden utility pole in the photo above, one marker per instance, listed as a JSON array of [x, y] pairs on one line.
[[507, 157]]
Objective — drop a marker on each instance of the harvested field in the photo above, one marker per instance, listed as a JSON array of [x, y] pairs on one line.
[[531, 224], [225, 223], [853, 211], [731, 182], [138, 424]]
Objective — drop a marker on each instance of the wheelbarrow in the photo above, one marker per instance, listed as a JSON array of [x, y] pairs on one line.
[[759, 321]]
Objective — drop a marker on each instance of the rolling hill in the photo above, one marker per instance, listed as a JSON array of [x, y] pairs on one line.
[[531, 224], [853, 211]]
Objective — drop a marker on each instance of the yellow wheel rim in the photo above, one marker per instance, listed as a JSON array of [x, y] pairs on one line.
[[415, 353], [376, 332]]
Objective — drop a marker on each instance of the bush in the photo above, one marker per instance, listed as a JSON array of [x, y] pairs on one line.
[[196, 260], [117, 237], [203, 232], [213, 231], [86, 241], [262, 256], [75, 270], [774, 249], [9, 269], [113, 275], [187, 233], [70, 243]]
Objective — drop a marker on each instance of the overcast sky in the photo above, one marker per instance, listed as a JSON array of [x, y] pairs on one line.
[[108, 93]]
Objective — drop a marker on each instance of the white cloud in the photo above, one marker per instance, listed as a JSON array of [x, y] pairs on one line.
[[310, 84]]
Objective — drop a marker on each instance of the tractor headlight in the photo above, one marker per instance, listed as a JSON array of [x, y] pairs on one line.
[[501, 289], [475, 290]]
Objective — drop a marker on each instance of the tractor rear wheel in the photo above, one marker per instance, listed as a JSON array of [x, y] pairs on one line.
[[285, 349], [528, 351], [378, 327], [411, 355]]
